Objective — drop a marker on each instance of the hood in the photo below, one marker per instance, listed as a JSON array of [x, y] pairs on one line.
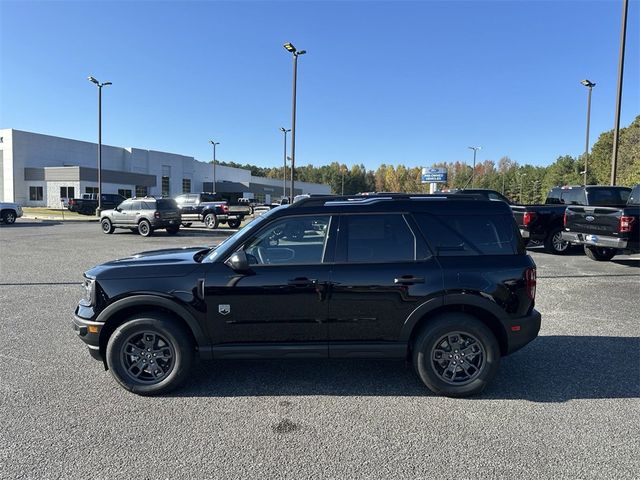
[[171, 262]]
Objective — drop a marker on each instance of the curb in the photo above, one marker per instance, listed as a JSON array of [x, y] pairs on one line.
[[59, 219]]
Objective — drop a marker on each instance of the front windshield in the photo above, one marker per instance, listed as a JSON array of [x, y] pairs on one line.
[[223, 249]]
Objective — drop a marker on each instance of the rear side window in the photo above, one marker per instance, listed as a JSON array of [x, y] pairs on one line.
[[634, 198], [376, 239], [469, 235], [608, 196], [166, 204]]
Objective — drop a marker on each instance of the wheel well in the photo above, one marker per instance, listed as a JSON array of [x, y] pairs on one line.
[[8, 210], [490, 320], [121, 316]]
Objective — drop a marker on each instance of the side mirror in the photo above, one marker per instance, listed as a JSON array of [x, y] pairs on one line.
[[238, 261], [117, 209]]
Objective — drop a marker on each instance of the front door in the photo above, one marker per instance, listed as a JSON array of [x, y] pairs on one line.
[[283, 298], [383, 271]]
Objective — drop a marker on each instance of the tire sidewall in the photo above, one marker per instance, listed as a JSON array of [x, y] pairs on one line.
[[182, 347], [142, 230], [9, 217], [211, 221], [234, 223], [106, 221], [435, 330], [549, 246]]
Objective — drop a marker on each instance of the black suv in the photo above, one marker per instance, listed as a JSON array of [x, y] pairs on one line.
[[144, 214], [441, 280]]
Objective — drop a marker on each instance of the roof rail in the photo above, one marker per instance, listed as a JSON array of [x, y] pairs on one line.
[[354, 200]]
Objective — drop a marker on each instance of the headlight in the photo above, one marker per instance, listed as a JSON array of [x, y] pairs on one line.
[[89, 290]]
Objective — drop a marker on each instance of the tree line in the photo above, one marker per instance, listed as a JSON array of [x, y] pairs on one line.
[[522, 183]]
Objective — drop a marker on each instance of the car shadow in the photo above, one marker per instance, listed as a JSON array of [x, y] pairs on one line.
[[216, 233], [21, 223], [627, 262], [550, 369]]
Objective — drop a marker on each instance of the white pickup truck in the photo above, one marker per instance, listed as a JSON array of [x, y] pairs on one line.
[[9, 212]]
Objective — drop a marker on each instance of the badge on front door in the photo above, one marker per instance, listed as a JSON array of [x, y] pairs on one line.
[[224, 309]]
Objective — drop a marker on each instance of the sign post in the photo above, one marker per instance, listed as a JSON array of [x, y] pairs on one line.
[[433, 176]]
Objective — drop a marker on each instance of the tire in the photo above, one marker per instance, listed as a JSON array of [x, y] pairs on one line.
[[159, 335], [107, 226], [600, 254], [173, 230], [211, 221], [234, 223], [9, 217], [188, 224], [478, 343], [144, 228], [554, 244]]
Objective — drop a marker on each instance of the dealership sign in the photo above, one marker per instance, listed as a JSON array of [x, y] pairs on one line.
[[434, 175]]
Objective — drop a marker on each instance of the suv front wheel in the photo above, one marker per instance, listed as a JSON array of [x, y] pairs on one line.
[[150, 355], [456, 355], [107, 226]]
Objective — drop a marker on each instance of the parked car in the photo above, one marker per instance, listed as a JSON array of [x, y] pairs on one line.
[[445, 283], [209, 209], [88, 203], [9, 212], [545, 223], [484, 192], [605, 231], [144, 215]]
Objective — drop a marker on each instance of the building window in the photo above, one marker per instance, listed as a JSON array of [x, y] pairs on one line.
[[67, 192], [91, 190], [35, 194], [165, 186], [124, 192], [186, 185], [141, 191]]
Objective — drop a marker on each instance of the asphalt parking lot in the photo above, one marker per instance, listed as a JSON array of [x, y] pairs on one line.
[[566, 406]]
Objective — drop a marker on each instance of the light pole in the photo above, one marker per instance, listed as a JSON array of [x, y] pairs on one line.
[[589, 84], [296, 53], [99, 85], [214, 164], [284, 172], [473, 172], [291, 193], [616, 129]]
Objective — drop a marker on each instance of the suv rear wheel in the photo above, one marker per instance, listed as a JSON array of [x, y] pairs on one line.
[[554, 242], [234, 223], [600, 254], [9, 217], [107, 226], [211, 221], [456, 355], [150, 355], [173, 230], [144, 228]]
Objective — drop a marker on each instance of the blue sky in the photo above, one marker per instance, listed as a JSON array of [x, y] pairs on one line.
[[383, 82]]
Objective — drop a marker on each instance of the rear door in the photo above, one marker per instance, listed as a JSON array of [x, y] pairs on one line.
[[382, 272]]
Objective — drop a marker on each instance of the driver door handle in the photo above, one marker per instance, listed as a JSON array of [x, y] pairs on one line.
[[302, 282], [408, 280]]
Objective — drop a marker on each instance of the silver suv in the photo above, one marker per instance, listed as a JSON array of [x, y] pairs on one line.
[[144, 214]]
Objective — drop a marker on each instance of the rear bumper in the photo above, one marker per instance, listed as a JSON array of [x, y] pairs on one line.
[[89, 333], [523, 330], [161, 223], [595, 240]]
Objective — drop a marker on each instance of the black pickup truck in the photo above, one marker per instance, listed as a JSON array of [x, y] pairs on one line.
[[605, 231], [545, 223], [209, 209], [88, 204]]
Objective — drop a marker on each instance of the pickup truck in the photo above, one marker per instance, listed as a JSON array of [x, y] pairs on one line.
[[207, 208], [9, 212], [605, 231], [88, 204], [545, 223]]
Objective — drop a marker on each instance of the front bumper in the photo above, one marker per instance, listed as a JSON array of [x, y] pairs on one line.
[[523, 330], [595, 240], [89, 333]]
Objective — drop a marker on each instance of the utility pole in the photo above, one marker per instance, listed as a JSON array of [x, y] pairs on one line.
[[616, 130]]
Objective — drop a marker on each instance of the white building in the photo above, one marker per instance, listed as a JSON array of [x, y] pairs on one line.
[[40, 170]]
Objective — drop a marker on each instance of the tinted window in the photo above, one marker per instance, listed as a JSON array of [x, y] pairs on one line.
[[573, 196], [166, 204], [608, 196], [553, 197], [457, 235], [294, 240], [376, 238], [634, 198], [206, 197]]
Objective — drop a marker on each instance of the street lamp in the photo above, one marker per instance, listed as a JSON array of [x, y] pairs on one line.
[[284, 172], [214, 164], [99, 85], [296, 53], [589, 84], [473, 173]]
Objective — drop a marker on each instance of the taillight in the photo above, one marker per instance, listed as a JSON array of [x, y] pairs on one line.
[[564, 220], [225, 208], [157, 214], [626, 224], [527, 218], [530, 282]]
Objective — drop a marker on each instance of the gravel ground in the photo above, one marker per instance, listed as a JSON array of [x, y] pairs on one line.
[[566, 406]]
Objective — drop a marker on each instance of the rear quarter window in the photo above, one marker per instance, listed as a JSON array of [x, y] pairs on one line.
[[469, 235], [634, 197]]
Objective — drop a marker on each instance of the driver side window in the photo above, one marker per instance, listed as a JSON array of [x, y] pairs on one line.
[[294, 240]]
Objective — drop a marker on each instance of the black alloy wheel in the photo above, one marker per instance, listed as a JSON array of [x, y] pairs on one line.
[[9, 217]]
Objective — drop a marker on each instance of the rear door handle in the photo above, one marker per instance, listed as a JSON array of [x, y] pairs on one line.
[[301, 282], [408, 280]]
